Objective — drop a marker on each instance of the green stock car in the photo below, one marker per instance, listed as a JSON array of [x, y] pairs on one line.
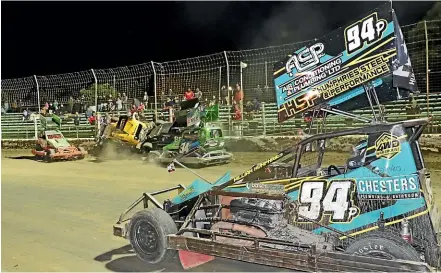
[[200, 146]]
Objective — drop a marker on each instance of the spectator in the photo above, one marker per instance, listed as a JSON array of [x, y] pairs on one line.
[[238, 94], [14, 106], [133, 109], [70, 104], [76, 119], [25, 115], [119, 106], [146, 99], [224, 95], [198, 94], [6, 106], [20, 105], [169, 103], [55, 105], [170, 92], [256, 104], [3, 110], [92, 119], [189, 95], [259, 92], [235, 110], [141, 107], [124, 101]]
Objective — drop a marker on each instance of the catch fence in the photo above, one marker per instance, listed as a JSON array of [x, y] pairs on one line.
[[252, 69]]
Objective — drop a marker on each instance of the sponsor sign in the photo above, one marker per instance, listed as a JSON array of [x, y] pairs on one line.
[[336, 69], [387, 146], [396, 187]]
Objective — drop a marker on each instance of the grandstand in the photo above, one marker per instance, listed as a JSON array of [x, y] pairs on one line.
[[14, 128]]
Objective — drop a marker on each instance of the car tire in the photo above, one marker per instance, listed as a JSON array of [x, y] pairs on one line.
[[47, 156], [383, 245], [148, 230]]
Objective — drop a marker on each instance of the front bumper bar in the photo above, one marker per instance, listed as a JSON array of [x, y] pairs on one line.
[[309, 260]]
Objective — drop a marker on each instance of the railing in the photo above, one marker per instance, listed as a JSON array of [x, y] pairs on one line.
[[262, 123]]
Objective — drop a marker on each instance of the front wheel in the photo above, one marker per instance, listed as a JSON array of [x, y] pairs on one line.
[[384, 246], [148, 232], [48, 155]]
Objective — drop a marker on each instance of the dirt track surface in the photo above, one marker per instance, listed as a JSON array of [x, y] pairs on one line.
[[59, 216]]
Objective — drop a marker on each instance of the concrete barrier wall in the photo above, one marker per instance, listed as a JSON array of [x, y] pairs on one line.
[[430, 142]]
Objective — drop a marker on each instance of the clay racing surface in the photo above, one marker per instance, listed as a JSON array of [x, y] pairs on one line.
[[59, 216]]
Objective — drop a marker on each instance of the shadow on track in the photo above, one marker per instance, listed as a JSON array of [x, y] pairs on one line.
[[131, 263], [28, 157]]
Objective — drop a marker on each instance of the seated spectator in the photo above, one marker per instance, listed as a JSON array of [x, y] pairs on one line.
[[25, 115], [133, 110], [92, 119], [256, 105], [169, 103], [189, 95], [141, 107]]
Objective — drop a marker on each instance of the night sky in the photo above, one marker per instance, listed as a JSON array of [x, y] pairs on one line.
[[59, 37]]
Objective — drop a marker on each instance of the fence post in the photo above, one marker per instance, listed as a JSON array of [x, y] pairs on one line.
[[220, 83], [228, 92], [427, 66], [170, 114], [263, 118], [266, 73], [38, 93], [154, 90], [97, 128], [35, 126]]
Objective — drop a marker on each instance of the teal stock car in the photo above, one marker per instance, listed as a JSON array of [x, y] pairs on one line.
[[374, 213]]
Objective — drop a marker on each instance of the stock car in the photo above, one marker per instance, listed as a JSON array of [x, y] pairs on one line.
[[52, 145], [374, 213]]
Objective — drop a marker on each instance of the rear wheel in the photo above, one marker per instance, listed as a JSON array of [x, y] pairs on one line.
[[383, 245], [148, 232]]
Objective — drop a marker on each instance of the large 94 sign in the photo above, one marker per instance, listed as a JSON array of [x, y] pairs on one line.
[[317, 198]]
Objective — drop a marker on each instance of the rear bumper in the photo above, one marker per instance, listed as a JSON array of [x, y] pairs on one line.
[[310, 261]]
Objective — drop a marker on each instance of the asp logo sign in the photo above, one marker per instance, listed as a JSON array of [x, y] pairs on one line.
[[305, 59], [387, 146]]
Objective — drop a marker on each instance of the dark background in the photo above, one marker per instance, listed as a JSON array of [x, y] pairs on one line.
[[58, 37]]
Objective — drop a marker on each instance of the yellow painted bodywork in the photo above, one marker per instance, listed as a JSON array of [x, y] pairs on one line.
[[127, 134]]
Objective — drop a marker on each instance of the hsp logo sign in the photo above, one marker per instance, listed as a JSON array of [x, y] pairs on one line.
[[387, 146]]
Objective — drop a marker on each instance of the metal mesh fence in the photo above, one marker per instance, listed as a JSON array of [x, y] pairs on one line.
[[154, 83]]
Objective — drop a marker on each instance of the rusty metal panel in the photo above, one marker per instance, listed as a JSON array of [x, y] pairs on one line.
[[303, 261]]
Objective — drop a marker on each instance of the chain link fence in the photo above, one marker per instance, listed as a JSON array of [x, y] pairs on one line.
[[155, 83]]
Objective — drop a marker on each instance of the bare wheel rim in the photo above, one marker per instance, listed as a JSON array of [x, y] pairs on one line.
[[146, 237]]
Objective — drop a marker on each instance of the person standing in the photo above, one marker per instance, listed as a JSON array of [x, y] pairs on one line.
[[189, 95], [238, 97]]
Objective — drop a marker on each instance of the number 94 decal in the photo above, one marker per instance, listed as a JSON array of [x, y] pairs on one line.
[[321, 197]]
